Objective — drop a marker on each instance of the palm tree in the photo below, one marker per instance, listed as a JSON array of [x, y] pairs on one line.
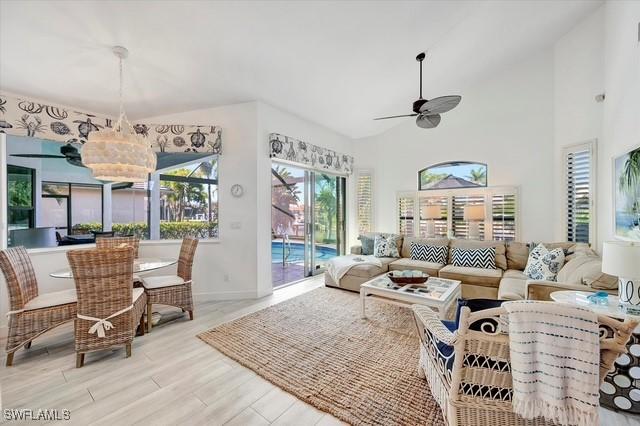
[[478, 175], [326, 201], [282, 196], [630, 179]]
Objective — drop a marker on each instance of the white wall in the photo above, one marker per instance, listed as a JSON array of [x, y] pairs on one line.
[[244, 253], [578, 78], [506, 122], [601, 54]]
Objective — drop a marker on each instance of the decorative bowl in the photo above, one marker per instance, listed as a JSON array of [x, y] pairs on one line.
[[409, 280]]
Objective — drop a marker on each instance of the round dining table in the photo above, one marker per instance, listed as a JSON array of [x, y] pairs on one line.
[[142, 264]]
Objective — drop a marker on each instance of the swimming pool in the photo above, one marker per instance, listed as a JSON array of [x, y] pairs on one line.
[[297, 253]]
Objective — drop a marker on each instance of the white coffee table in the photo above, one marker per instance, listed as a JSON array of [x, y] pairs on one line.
[[437, 293]]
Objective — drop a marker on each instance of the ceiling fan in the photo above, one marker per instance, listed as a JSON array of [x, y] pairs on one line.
[[67, 152], [427, 112]]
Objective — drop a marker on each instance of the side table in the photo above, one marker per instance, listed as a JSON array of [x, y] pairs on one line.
[[620, 390]]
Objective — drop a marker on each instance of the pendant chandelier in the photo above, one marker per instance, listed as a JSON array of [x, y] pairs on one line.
[[119, 154]]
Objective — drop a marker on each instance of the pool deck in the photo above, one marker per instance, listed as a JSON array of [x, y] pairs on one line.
[[282, 275]]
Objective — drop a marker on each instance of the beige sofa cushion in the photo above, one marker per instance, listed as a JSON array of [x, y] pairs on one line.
[[501, 259], [370, 271], [587, 270], [419, 265], [473, 276], [514, 273], [512, 289], [406, 245], [517, 255]]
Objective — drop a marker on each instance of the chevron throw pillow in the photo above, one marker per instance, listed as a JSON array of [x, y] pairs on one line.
[[429, 253], [484, 258]]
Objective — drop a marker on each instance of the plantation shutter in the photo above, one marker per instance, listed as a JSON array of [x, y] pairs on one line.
[[459, 225], [440, 224], [364, 204], [406, 207], [503, 208], [579, 216]]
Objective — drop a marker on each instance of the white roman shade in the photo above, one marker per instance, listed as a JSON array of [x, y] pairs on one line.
[[24, 117]]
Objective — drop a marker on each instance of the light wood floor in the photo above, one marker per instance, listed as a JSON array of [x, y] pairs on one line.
[[172, 377]]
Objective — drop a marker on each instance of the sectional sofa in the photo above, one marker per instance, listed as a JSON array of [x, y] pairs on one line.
[[582, 270]]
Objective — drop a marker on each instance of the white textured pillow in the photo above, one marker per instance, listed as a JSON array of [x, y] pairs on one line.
[[544, 264], [386, 245]]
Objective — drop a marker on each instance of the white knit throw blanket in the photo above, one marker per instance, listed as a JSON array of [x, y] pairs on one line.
[[555, 356]]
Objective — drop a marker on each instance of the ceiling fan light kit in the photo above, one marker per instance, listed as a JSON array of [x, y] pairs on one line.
[[119, 154], [427, 111]]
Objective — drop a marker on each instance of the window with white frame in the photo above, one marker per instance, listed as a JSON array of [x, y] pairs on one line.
[[579, 168], [405, 207], [364, 203], [442, 213]]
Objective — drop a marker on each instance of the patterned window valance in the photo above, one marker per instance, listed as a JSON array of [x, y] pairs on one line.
[[23, 117], [308, 155]]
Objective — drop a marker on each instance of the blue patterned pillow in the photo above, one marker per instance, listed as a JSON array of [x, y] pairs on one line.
[[483, 258], [367, 244], [386, 245], [544, 264], [429, 253]]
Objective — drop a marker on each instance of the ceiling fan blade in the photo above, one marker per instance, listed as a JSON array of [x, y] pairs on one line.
[[395, 116], [428, 121], [38, 156], [441, 104]]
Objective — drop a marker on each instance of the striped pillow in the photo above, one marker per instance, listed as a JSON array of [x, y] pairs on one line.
[[483, 258], [429, 253]]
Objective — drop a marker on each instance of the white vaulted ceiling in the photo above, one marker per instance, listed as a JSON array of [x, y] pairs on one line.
[[336, 63]]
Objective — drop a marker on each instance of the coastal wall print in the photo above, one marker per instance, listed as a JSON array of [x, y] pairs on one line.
[[626, 182]]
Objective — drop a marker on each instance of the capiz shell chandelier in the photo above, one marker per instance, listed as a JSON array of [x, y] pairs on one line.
[[119, 154]]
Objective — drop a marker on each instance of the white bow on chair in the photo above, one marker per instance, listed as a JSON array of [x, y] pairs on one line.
[[102, 325]]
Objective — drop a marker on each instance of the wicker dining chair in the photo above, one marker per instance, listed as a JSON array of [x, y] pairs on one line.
[[173, 290], [109, 308], [112, 242], [469, 371], [31, 313]]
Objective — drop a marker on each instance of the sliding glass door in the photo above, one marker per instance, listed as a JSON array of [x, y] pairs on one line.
[[308, 226]]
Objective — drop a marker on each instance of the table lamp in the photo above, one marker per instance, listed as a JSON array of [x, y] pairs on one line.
[[473, 214], [622, 259], [430, 213]]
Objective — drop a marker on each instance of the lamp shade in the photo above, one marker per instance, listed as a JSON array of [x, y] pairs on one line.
[[474, 212], [621, 258], [431, 212]]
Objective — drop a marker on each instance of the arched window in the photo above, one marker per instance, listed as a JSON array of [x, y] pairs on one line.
[[452, 175]]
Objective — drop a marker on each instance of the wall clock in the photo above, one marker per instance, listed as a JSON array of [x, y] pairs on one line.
[[237, 190]]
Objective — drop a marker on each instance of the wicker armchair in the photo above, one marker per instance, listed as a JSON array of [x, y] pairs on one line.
[[113, 242], [31, 313], [109, 308], [173, 290], [469, 370]]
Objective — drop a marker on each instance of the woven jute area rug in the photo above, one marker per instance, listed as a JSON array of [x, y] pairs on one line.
[[316, 347]]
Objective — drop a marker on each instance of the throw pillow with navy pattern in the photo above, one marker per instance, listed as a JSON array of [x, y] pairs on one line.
[[483, 258], [429, 253], [544, 264]]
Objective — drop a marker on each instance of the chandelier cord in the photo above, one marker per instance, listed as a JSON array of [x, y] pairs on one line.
[[120, 98]]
